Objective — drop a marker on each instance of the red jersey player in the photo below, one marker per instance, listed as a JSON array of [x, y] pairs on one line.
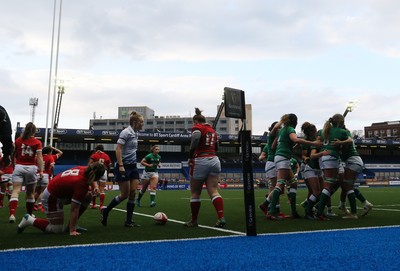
[[49, 162], [28, 154], [69, 187], [205, 167], [103, 158], [5, 179]]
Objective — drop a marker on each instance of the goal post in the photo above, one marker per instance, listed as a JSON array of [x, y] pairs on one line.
[[234, 100]]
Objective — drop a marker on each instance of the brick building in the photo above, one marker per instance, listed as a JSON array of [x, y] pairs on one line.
[[383, 130]]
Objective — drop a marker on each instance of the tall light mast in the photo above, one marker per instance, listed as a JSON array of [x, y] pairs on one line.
[[34, 103], [60, 93]]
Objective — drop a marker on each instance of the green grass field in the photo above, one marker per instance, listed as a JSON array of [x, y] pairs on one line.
[[175, 203]]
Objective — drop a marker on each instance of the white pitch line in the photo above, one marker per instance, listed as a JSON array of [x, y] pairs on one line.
[[190, 239], [381, 209], [207, 199], [388, 205], [182, 222], [378, 209]]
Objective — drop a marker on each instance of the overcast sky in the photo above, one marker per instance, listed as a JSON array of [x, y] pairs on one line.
[[306, 57]]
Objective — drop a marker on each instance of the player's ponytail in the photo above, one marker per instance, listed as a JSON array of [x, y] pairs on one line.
[[134, 118], [326, 129], [272, 126], [30, 130], [289, 120], [199, 117], [336, 120]]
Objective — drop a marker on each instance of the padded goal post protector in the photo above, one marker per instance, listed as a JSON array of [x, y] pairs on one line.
[[235, 108], [248, 184], [234, 103]]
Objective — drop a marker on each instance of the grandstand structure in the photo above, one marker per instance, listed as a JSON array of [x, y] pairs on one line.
[[78, 144], [381, 156], [171, 123]]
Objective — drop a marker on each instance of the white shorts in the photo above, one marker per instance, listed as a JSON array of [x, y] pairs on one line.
[[52, 204], [282, 162], [44, 181], [309, 172], [6, 178], [24, 174], [270, 170], [148, 175], [355, 164], [103, 178], [54, 210], [329, 162], [341, 167], [204, 166]]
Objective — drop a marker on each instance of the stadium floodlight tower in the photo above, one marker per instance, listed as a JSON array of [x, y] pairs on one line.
[[60, 93], [33, 102], [350, 106]]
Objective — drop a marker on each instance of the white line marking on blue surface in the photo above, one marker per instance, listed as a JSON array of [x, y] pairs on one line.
[[190, 239]]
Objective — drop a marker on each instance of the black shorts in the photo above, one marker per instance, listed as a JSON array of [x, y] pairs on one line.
[[131, 173]]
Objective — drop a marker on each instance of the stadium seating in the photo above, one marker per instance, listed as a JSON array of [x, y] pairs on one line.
[[231, 164]]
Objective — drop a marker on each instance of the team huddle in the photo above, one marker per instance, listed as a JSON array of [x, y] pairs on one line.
[[329, 161]]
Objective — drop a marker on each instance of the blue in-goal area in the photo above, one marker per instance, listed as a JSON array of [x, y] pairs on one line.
[[349, 249]]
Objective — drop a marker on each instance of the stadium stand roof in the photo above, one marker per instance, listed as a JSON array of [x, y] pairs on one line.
[[106, 136]]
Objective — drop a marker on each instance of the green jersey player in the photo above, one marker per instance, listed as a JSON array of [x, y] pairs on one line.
[[151, 162], [286, 140], [333, 137]]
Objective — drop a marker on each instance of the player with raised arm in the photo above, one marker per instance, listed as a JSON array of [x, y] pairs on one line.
[[286, 140], [332, 136], [205, 168], [270, 170]]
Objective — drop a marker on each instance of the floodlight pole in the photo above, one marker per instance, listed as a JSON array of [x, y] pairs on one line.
[[348, 109], [351, 105], [34, 103]]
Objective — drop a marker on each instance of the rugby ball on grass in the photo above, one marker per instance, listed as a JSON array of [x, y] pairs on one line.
[[160, 218]]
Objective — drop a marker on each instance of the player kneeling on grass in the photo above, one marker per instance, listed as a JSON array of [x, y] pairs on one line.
[[74, 186]]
